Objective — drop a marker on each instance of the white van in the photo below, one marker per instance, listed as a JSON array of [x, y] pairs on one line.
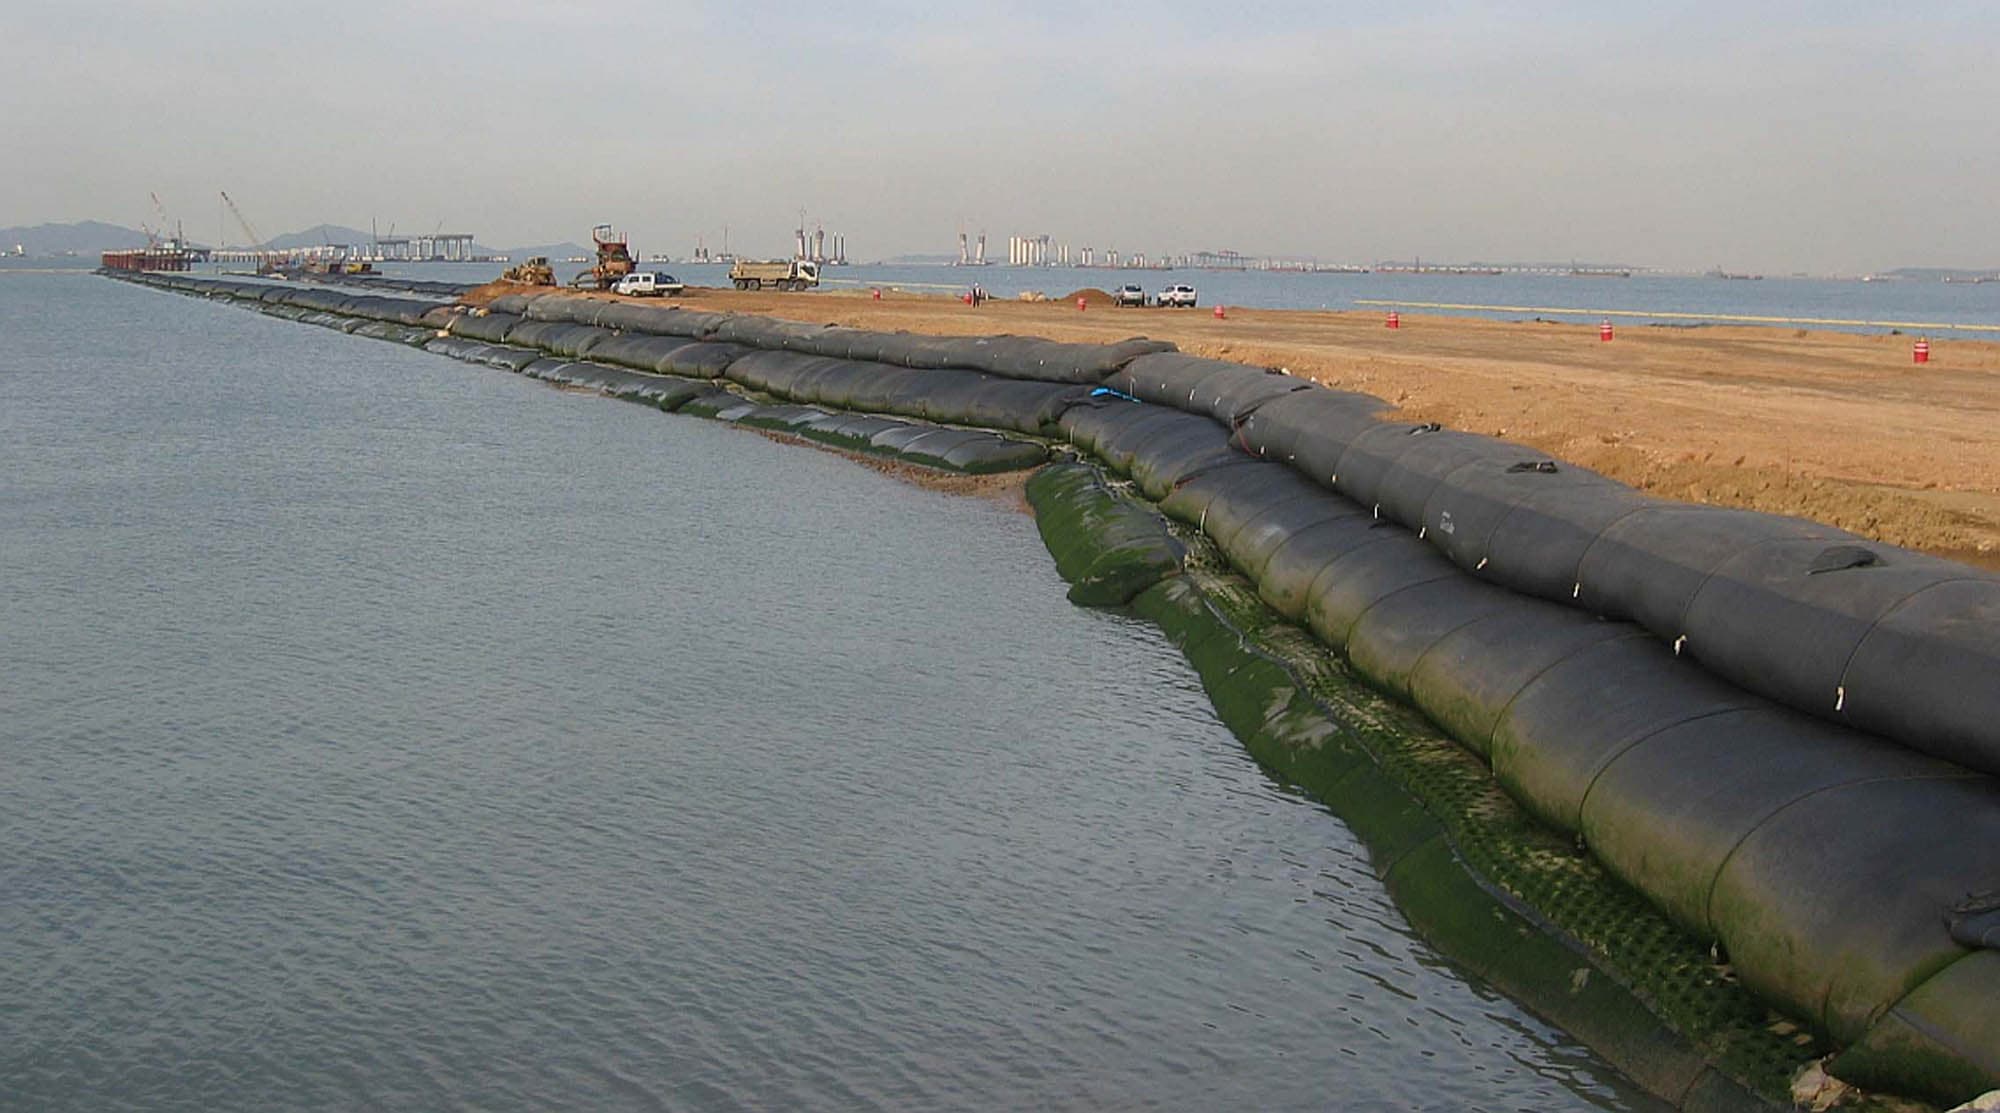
[[648, 284]]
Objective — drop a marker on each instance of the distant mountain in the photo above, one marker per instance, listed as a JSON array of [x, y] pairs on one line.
[[1941, 274], [87, 237], [556, 251], [319, 235]]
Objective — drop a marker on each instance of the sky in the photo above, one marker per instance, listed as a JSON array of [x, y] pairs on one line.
[[1830, 137]]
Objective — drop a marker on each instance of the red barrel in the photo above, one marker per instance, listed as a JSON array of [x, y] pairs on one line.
[[1081, 305], [1394, 320], [1219, 314], [1921, 353], [1604, 330], [878, 293], [968, 297]]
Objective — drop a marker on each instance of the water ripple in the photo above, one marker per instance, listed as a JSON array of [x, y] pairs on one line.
[[386, 733]]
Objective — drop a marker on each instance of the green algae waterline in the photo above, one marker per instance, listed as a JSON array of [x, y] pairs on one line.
[[1307, 492]]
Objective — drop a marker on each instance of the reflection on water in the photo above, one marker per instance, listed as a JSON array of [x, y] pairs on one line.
[[383, 732]]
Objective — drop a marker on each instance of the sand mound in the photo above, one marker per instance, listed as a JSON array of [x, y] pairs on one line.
[[1090, 294]]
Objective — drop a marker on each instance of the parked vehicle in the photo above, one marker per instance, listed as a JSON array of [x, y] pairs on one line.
[[791, 274], [1129, 294], [1178, 296], [649, 284]]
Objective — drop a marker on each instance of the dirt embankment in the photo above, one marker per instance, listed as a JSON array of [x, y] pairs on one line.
[[1841, 428]]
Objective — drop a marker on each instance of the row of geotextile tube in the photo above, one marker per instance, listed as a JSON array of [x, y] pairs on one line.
[[412, 311], [1822, 620], [693, 387], [1841, 871], [393, 283]]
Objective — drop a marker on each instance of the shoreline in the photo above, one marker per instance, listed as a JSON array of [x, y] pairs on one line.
[[1393, 603], [1838, 427]]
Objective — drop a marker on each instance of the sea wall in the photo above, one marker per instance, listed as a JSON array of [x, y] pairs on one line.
[[1784, 736]]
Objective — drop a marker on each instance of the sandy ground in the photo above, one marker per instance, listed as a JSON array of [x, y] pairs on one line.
[[1841, 428]]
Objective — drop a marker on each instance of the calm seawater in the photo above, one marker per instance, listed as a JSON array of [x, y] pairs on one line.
[[382, 732]]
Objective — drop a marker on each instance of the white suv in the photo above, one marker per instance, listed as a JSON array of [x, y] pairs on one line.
[[648, 284], [1179, 295]]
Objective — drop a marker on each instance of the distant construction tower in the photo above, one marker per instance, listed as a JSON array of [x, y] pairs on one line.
[[979, 260], [1028, 251], [964, 252]]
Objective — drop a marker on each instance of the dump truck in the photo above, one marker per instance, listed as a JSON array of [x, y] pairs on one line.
[[792, 274]]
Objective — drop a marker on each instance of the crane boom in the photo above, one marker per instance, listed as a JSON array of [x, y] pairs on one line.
[[160, 213], [255, 239]]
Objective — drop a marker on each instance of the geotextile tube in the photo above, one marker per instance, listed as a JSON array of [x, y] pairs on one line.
[[1107, 547], [1784, 736]]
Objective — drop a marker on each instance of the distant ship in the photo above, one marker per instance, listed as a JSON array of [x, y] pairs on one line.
[[1719, 273]]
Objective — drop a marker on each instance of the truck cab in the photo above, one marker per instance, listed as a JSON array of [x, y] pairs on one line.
[[645, 284], [789, 274]]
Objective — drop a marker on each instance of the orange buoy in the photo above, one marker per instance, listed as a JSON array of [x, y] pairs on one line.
[[1604, 330], [1921, 353]]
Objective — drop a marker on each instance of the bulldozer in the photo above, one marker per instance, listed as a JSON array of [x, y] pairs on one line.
[[534, 272], [614, 259]]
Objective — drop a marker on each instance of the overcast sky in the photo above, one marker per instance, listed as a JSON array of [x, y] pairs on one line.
[[1828, 137]]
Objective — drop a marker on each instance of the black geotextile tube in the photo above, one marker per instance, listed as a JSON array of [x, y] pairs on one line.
[[560, 338], [1227, 392], [564, 310], [637, 351], [511, 359], [786, 417], [512, 304], [1309, 429], [1107, 547], [660, 320], [850, 431], [1648, 564], [1600, 729], [408, 311], [1790, 609], [1884, 639], [490, 327], [936, 444], [1401, 466], [1163, 458]]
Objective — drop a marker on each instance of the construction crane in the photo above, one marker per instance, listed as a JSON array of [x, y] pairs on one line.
[[159, 214], [265, 265], [242, 221]]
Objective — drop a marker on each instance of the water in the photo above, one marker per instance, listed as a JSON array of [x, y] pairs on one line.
[[382, 732]]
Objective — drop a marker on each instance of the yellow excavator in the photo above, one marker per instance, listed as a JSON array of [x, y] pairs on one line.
[[534, 272]]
